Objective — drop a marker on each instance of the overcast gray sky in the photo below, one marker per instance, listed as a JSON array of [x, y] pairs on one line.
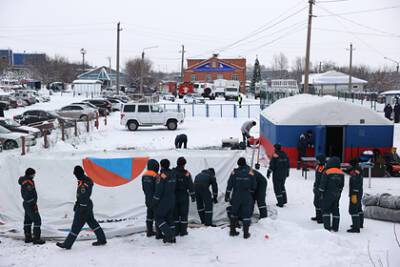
[[207, 26]]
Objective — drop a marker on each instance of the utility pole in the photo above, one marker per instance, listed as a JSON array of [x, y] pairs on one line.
[[183, 58], [118, 30], [320, 67], [83, 52], [307, 65], [394, 61], [350, 66]]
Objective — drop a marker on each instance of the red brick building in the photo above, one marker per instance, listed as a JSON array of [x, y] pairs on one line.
[[208, 70]]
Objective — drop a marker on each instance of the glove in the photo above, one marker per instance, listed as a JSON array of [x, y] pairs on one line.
[[354, 199], [268, 174], [215, 200], [193, 199]]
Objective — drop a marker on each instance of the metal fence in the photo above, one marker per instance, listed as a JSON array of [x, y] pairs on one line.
[[216, 110]]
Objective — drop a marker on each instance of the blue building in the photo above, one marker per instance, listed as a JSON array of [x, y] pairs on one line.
[[106, 75]]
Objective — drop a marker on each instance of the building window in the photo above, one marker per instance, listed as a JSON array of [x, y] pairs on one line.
[[208, 78], [193, 77], [235, 77], [220, 76]]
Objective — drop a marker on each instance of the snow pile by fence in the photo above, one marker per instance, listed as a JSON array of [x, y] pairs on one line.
[[383, 207]]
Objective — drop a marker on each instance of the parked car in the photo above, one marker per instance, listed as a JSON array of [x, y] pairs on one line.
[[100, 103], [77, 112], [12, 140], [4, 105], [36, 116], [25, 95], [102, 111], [134, 115], [116, 104], [193, 99], [14, 126], [168, 97], [12, 102]]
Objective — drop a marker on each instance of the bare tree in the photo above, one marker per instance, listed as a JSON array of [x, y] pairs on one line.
[[298, 68], [133, 70], [280, 64]]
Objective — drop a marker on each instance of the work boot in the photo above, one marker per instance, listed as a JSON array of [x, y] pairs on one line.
[[353, 230], [38, 241], [233, 224], [28, 238], [327, 222], [99, 243], [355, 227], [313, 218], [62, 245], [279, 205], [246, 233], [183, 229], [149, 229]]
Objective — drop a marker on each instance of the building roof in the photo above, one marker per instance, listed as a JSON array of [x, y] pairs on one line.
[[391, 92], [215, 64], [100, 73], [86, 81], [332, 77], [307, 109]]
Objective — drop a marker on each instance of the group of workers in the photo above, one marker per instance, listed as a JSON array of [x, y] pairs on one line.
[[168, 193], [327, 188]]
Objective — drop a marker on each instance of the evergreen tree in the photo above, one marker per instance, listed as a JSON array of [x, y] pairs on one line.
[[256, 76]]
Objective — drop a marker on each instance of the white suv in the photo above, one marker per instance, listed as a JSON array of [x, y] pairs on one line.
[[134, 115]]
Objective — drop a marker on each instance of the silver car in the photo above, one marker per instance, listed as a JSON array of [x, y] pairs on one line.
[[77, 112], [12, 140]]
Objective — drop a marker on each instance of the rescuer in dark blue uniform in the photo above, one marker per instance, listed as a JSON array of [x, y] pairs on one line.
[[260, 193], [149, 179], [239, 192], [164, 201], [181, 140], [319, 171], [83, 212], [279, 166], [184, 188], [331, 187], [204, 199], [29, 195], [355, 194]]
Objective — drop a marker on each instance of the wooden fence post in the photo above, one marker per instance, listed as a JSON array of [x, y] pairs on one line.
[[23, 145]]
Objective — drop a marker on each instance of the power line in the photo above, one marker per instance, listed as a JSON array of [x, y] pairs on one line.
[[363, 11], [357, 23], [354, 32]]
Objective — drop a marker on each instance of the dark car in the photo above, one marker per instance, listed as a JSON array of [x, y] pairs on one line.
[[35, 116], [100, 103]]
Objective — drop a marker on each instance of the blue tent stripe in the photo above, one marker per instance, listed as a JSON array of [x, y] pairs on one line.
[[120, 166]]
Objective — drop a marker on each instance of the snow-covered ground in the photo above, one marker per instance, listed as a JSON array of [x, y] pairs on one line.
[[290, 239]]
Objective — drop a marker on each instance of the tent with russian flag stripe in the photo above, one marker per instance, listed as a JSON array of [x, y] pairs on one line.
[[339, 128]]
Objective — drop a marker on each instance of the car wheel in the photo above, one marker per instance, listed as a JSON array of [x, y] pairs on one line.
[[10, 144], [83, 118], [133, 125], [172, 125]]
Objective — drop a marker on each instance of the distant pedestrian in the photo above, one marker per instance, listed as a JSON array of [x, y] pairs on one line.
[[181, 140], [388, 111], [246, 127], [240, 99], [396, 110]]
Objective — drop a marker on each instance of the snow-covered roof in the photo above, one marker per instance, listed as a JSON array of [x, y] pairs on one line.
[[307, 109], [391, 92], [86, 81], [332, 77]]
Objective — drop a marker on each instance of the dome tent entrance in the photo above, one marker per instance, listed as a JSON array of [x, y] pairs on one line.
[[339, 128]]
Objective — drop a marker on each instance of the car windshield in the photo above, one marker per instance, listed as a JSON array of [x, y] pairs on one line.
[[11, 122], [4, 130]]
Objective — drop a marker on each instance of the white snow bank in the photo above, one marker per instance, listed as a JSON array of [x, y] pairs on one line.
[[307, 109]]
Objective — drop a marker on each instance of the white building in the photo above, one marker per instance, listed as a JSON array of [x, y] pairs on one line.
[[332, 82]]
